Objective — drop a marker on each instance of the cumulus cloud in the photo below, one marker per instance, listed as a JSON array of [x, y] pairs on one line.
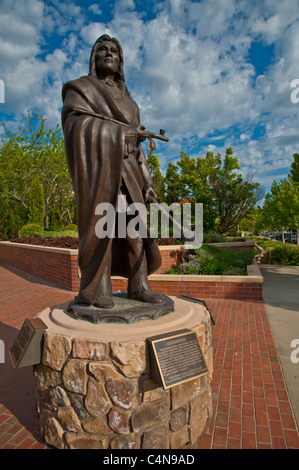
[[95, 9], [187, 65]]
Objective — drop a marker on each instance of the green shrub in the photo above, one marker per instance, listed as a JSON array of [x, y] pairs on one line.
[[266, 244], [213, 266], [233, 271], [71, 227], [58, 233], [211, 260], [233, 233], [285, 255], [213, 237], [30, 230], [54, 217]]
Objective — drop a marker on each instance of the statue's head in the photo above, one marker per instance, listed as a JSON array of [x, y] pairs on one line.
[[119, 75]]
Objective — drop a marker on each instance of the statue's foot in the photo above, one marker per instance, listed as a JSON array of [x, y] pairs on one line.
[[147, 296], [103, 301], [80, 299]]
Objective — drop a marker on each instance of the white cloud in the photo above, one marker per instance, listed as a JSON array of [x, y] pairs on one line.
[[122, 6], [187, 67], [95, 9], [89, 33], [193, 86]]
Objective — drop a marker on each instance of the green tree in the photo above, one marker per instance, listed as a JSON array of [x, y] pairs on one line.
[[280, 210], [158, 179], [295, 168], [227, 197], [251, 223], [172, 182], [36, 203], [281, 206], [54, 217], [35, 152], [236, 197], [195, 181], [12, 217]]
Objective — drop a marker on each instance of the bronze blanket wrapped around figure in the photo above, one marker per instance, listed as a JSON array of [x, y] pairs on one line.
[[103, 138]]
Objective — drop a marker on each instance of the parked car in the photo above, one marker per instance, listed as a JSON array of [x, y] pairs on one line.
[[294, 239], [291, 238]]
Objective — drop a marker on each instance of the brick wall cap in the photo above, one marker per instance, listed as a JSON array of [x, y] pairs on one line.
[[247, 243], [171, 247], [52, 249], [201, 278]]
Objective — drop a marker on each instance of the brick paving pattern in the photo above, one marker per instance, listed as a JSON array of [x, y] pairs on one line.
[[251, 408]]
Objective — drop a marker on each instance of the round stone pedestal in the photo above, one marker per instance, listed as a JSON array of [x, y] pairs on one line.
[[94, 389]]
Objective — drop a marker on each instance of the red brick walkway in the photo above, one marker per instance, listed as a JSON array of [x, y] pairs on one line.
[[250, 402]]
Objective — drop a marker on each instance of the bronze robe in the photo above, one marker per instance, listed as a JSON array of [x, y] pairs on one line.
[[98, 164]]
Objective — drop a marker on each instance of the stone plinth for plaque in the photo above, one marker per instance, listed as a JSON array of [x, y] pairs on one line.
[[94, 387]]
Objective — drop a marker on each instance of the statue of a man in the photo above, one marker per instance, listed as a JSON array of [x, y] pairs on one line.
[[103, 138]]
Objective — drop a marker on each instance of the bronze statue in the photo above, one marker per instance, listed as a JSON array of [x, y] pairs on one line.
[[103, 136]]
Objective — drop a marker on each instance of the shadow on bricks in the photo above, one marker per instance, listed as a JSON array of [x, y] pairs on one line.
[[16, 387]]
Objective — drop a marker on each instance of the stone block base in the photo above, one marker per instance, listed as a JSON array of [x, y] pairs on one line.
[[94, 390]]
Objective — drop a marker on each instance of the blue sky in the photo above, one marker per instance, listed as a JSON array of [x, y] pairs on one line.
[[212, 73]]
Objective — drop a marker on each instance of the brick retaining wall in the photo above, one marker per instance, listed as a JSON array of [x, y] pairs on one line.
[[57, 265], [60, 266], [204, 287]]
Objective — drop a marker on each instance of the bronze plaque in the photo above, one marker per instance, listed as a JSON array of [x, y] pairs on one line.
[[176, 358], [26, 347]]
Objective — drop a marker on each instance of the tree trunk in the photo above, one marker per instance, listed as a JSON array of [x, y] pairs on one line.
[[46, 216]]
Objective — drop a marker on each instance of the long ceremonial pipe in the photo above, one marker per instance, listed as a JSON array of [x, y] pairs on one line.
[[147, 134]]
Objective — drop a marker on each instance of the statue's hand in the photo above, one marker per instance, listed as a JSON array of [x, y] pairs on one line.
[[140, 134], [149, 191], [137, 133], [133, 137]]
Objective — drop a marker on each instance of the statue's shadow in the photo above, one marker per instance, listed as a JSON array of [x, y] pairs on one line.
[[17, 395]]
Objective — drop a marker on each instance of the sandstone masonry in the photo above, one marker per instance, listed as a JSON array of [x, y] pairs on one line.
[[99, 395]]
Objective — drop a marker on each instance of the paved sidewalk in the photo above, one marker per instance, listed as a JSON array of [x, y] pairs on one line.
[[250, 400], [281, 298]]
